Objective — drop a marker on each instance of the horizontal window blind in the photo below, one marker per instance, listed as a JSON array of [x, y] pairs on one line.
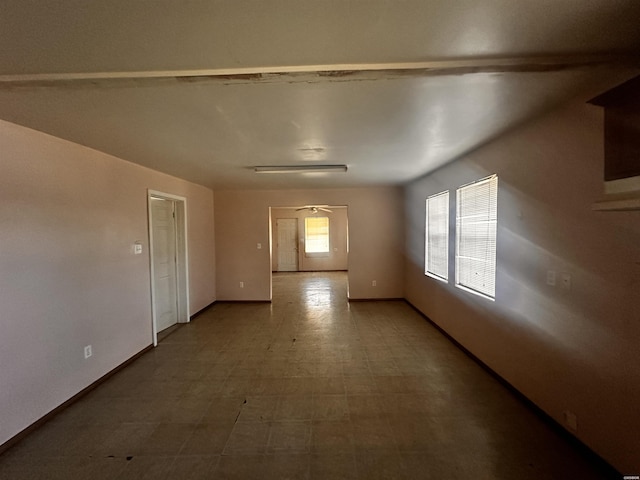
[[437, 236], [316, 234], [477, 215]]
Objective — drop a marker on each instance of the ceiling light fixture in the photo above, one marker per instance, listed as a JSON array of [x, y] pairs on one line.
[[301, 169]]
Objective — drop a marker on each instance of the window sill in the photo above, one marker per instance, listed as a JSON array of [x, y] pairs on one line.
[[436, 277], [475, 292]]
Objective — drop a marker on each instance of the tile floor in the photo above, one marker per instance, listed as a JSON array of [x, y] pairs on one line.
[[310, 386]]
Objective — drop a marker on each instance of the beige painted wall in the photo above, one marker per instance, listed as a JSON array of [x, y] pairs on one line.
[[375, 239], [566, 349], [337, 257], [69, 216]]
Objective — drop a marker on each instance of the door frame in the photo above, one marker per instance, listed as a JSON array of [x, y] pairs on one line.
[[182, 259], [297, 242], [271, 229]]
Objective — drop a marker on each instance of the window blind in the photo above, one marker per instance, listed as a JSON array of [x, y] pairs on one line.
[[437, 236], [476, 222], [316, 234]]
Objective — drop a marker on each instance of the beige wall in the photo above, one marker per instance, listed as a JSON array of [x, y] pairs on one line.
[[337, 257], [566, 349], [375, 239], [69, 216]]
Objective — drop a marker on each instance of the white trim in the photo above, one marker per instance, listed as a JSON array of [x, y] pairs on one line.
[[184, 315], [478, 182], [475, 292], [623, 185], [428, 272], [170, 196], [436, 277]]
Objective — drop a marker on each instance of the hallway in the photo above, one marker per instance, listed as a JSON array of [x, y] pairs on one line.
[[309, 386]]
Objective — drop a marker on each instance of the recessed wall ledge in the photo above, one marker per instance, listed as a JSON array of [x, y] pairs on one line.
[[618, 203]]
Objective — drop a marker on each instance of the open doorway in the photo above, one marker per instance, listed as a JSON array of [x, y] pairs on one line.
[[168, 261], [309, 238]]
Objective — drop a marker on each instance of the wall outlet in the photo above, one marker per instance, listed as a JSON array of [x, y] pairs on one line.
[[566, 281], [571, 420], [551, 278], [87, 351], [241, 284], [374, 283]]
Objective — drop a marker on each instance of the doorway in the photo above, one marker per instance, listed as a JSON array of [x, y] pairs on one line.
[[168, 261], [308, 238]]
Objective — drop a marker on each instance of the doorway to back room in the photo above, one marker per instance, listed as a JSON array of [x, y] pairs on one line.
[[309, 238]]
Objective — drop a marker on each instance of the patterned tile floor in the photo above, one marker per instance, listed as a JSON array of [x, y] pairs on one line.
[[310, 386]]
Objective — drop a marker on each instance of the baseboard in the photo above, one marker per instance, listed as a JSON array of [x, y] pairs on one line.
[[392, 299], [202, 310], [605, 467], [243, 301], [308, 271], [38, 423]]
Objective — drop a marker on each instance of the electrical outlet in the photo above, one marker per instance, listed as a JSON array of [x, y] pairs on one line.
[[374, 283], [571, 420], [241, 284], [87, 351]]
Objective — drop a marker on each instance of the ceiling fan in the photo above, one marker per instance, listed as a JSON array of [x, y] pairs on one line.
[[315, 208]]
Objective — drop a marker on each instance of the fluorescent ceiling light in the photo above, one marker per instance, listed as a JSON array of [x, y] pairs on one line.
[[301, 169]]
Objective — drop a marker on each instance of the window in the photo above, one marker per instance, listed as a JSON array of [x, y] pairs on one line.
[[476, 223], [436, 255], [316, 235]]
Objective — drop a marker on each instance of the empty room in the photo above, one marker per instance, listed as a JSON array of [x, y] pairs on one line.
[[357, 239]]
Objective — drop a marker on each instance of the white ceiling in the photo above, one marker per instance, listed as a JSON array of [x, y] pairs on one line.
[[204, 90]]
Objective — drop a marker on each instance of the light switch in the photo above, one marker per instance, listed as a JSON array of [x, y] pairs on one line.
[[137, 248], [259, 246]]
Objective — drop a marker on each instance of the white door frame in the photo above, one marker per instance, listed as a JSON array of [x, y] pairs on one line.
[[297, 244], [182, 255]]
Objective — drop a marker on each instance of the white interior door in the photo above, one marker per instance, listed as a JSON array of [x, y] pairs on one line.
[[163, 223], [287, 244]]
